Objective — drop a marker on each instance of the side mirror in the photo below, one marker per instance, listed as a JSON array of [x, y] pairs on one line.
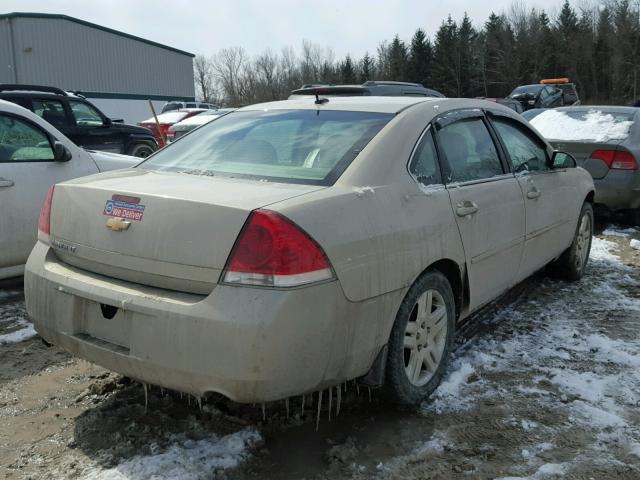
[[60, 152], [107, 122], [561, 160]]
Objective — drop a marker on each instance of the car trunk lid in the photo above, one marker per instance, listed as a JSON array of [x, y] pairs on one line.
[[582, 152], [169, 230]]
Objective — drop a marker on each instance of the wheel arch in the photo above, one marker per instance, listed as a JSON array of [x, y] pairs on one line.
[[456, 276], [590, 197]]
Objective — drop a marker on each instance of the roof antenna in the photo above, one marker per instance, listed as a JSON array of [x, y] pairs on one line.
[[320, 101]]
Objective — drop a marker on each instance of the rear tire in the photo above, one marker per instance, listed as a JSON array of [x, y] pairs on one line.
[[573, 262], [140, 150], [421, 340]]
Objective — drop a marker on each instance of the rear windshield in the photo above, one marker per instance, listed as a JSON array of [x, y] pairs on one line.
[[301, 146], [596, 125], [531, 89]]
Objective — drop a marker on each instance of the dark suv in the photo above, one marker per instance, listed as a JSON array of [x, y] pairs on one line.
[[538, 96], [377, 88], [81, 121]]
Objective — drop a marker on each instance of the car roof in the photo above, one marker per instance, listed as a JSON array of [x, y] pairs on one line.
[[348, 104]]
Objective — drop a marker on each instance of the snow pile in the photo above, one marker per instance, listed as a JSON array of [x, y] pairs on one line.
[[20, 335], [594, 126], [614, 231], [635, 244], [190, 460]]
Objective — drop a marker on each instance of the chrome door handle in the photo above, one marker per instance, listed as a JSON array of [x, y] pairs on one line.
[[6, 183], [466, 208], [533, 193]]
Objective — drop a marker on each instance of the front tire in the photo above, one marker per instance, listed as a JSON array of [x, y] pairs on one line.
[[140, 150], [421, 340], [573, 262]]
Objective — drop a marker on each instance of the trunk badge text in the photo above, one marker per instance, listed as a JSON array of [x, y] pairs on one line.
[[118, 224]]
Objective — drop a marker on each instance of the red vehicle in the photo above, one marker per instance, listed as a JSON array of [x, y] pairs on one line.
[[166, 120]]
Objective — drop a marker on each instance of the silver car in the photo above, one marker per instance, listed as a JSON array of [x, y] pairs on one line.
[[290, 246], [33, 156], [606, 142]]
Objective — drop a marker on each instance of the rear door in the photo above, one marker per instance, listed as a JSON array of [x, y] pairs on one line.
[[27, 169], [549, 195], [487, 203]]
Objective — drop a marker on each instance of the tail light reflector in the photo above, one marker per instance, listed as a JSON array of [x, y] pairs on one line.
[[272, 251], [616, 159], [44, 221]]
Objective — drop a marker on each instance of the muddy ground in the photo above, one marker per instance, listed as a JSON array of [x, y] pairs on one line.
[[544, 384]]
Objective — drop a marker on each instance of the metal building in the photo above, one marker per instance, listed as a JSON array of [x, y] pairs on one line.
[[117, 71]]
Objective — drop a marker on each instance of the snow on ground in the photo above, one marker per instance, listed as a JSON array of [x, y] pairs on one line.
[[588, 368], [188, 460], [594, 126], [14, 326], [615, 231]]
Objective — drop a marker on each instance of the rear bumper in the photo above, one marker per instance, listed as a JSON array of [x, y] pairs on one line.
[[249, 344], [619, 190]]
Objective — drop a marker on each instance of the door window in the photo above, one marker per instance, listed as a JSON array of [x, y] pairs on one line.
[[527, 155], [469, 150], [424, 164], [85, 114], [23, 142], [50, 110]]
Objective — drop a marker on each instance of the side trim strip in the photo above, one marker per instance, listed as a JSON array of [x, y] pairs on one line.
[[494, 251]]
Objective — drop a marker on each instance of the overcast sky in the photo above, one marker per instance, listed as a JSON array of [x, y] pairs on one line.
[[206, 26]]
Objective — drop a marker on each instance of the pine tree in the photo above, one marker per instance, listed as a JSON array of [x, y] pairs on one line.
[[347, 71], [367, 68], [398, 59], [420, 59]]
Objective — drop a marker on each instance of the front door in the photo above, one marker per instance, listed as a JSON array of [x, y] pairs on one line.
[[92, 131], [27, 170], [548, 195], [487, 204]]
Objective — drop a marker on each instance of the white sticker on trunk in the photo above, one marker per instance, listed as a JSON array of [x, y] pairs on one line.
[[129, 211]]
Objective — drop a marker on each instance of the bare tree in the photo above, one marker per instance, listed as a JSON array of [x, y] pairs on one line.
[[231, 67], [204, 77]]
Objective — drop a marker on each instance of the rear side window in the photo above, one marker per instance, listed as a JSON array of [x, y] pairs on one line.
[[424, 164], [50, 110], [301, 146], [526, 154], [22, 142], [469, 151]]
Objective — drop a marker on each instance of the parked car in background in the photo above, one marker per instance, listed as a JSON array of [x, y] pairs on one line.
[[569, 92], [534, 112], [514, 105], [179, 129], [170, 106], [81, 121], [34, 156], [373, 88], [166, 120], [606, 142], [537, 96], [290, 246]]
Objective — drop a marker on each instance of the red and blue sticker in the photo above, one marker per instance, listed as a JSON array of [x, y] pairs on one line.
[[124, 207]]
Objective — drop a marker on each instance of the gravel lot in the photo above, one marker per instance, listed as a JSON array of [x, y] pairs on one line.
[[544, 384]]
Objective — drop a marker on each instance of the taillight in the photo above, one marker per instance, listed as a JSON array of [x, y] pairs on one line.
[[273, 251], [616, 159], [44, 222]]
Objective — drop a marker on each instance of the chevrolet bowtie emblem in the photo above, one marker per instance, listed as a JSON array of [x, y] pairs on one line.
[[118, 224]]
